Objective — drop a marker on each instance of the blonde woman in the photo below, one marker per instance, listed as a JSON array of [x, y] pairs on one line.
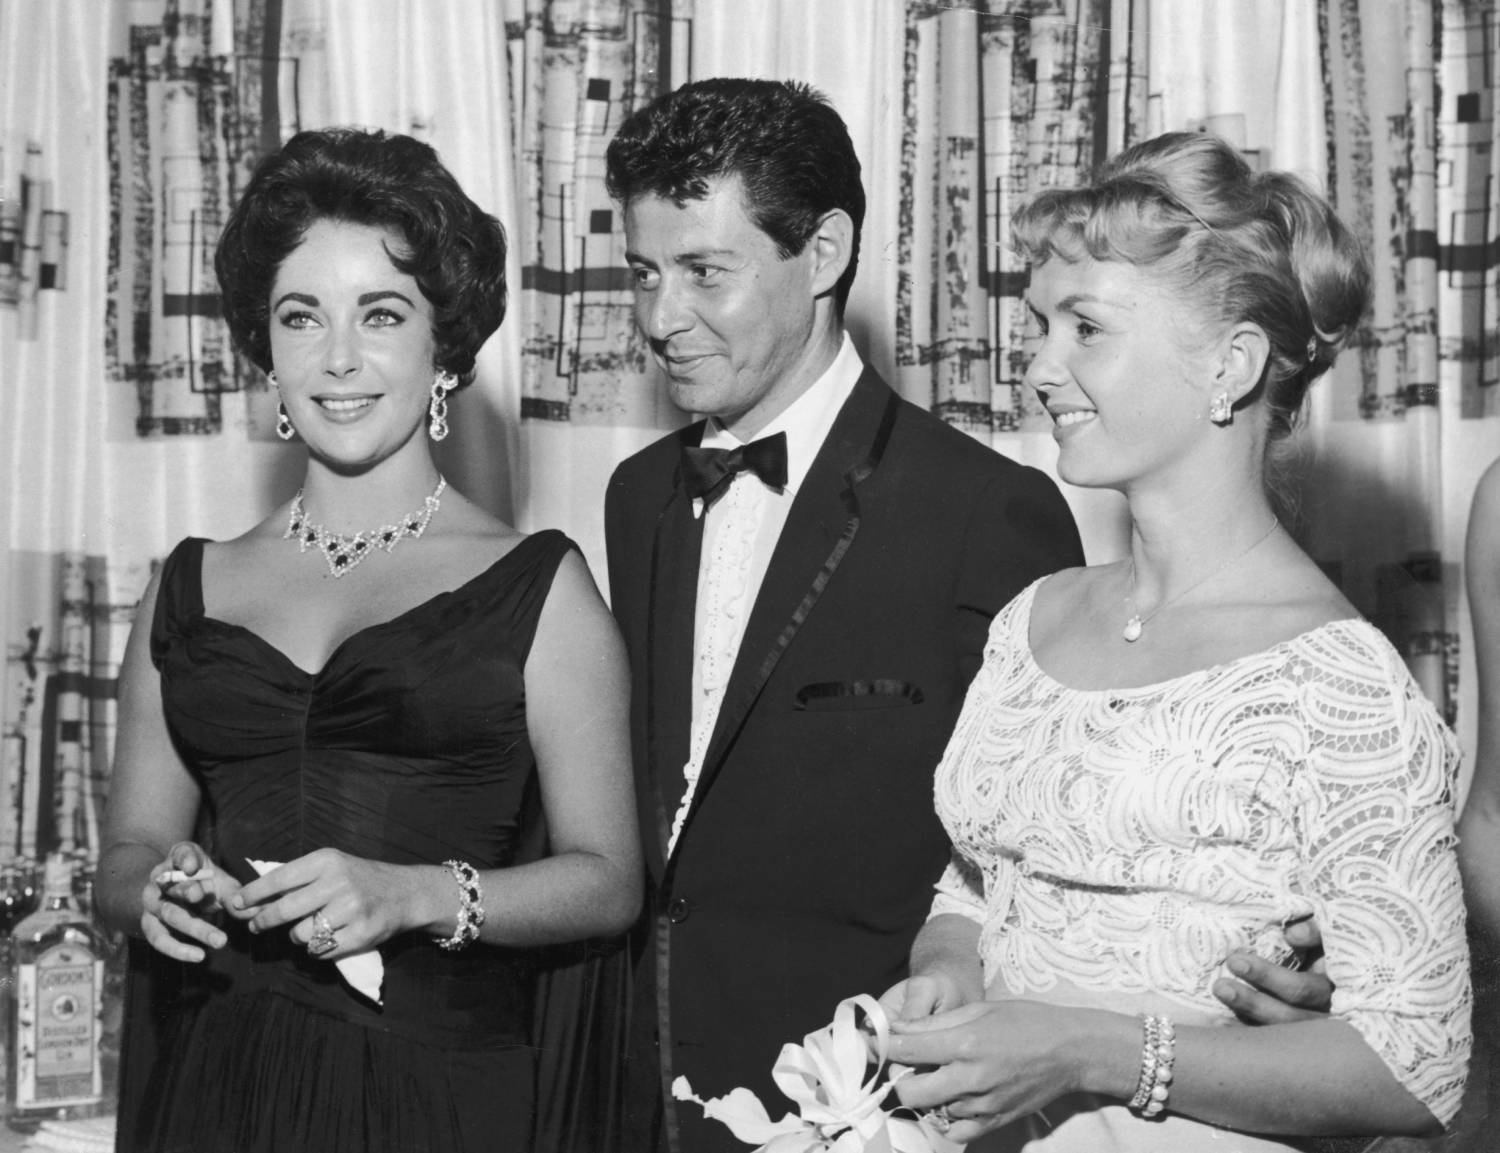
[[1168, 758]]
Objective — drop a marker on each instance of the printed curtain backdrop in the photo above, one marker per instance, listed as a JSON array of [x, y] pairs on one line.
[[128, 127]]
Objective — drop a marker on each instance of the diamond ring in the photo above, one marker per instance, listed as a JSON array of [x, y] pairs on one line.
[[322, 941]]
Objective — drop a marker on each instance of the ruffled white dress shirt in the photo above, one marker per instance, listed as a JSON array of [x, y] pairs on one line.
[[739, 535]]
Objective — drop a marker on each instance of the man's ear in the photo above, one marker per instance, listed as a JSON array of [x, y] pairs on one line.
[[831, 248], [1243, 356]]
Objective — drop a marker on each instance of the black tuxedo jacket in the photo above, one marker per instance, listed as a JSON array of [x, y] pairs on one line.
[[807, 860]]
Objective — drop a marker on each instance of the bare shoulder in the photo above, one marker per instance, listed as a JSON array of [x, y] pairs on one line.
[[575, 624], [462, 541], [1301, 597], [253, 554], [1482, 565], [575, 596], [1488, 489], [462, 517], [145, 612], [1065, 596], [1483, 545], [486, 540], [1286, 597]]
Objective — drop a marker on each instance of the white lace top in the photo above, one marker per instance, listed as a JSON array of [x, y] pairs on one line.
[[1117, 844]]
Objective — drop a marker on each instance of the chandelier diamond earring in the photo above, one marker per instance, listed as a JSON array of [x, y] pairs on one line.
[[437, 409], [284, 427]]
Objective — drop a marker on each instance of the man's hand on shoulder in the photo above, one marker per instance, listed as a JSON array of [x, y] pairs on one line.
[[1268, 994]]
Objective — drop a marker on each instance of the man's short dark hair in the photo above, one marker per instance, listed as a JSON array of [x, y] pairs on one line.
[[789, 148]]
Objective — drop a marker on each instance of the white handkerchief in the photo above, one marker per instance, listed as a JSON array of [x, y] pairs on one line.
[[363, 972]]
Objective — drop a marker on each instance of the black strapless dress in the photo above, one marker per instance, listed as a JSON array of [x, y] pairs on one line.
[[409, 746]]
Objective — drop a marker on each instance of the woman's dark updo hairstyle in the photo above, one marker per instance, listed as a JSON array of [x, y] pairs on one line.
[[1262, 247], [453, 249]]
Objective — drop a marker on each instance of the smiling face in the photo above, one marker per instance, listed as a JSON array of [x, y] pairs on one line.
[[1121, 368], [351, 339], [739, 331]]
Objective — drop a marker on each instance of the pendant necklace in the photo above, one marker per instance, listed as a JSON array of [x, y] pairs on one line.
[[344, 552], [1137, 623]]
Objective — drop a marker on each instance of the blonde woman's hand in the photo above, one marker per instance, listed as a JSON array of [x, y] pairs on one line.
[[990, 1062]]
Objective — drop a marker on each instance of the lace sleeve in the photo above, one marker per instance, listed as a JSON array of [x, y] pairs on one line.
[[1378, 850]]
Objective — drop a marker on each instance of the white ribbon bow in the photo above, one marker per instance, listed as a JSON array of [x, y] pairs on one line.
[[840, 1109]]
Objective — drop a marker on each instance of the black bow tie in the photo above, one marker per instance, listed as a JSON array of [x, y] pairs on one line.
[[708, 471]]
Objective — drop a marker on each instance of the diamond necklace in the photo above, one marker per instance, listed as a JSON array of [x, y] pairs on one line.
[[1137, 623], [343, 553]]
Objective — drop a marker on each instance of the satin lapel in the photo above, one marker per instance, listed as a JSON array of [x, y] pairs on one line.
[[669, 673], [819, 529]]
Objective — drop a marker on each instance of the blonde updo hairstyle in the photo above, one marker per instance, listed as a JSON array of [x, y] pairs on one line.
[[1236, 244]]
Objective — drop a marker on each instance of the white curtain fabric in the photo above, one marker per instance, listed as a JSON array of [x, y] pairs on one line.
[[67, 589], [589, 398]]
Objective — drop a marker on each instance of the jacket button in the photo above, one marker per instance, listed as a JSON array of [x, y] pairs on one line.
[[678, 910]]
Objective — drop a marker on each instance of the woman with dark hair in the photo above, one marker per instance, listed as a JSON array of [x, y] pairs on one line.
[[1167, 759], [358, 696]]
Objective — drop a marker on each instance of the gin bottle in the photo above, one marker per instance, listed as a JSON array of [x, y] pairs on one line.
[[57, 969]]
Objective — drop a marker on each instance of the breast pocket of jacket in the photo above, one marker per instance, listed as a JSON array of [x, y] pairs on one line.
[[883, 693]]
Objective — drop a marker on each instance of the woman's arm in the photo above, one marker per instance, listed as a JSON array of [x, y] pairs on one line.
[[152, 807], [1479, 827], [999, 1060], [577, 700], [577, 696]]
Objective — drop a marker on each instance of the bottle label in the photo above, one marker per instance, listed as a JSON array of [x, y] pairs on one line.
[[58, 1003]]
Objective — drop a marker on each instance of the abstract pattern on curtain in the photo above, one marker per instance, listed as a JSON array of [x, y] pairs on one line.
[[580, 69], [62, 676], [1383, 179], [187, 109], [1428, 199], [33, 234], [1468, 209], [1001, 98], [1411, 169]]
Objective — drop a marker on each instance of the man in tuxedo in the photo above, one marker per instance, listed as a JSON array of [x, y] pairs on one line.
[[805, 580]]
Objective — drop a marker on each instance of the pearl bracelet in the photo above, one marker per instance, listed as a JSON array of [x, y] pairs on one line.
[[470, 911], [1158, 1050]]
